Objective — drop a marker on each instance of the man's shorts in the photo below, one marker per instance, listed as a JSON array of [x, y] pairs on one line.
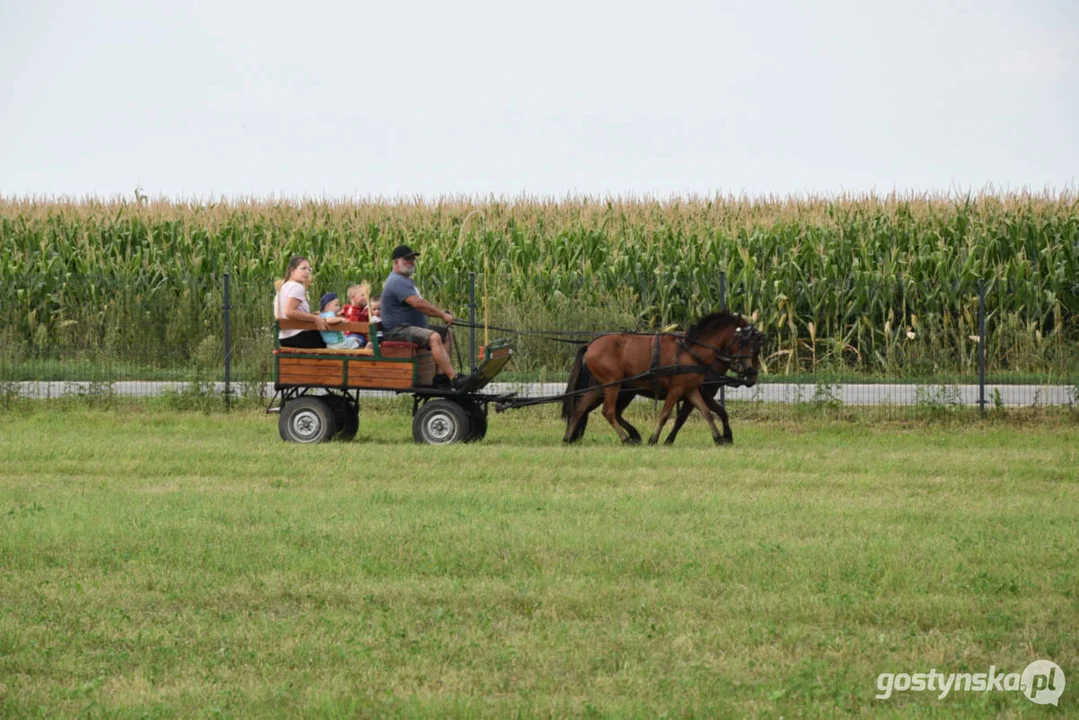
[[416, 335]]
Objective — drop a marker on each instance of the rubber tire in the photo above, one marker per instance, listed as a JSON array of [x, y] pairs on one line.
[[307, 420], [478, 420], [441, 422], [347, 417], [479, 428]]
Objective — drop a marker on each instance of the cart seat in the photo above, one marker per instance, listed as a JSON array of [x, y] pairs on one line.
[[368, 351]]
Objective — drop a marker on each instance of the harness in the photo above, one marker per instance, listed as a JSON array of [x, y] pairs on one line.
[[654, 367], [744, 336]]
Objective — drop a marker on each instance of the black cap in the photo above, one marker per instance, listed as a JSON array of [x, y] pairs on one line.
[[404, 251]]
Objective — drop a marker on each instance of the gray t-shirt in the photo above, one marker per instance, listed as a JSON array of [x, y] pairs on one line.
[[395, 311]]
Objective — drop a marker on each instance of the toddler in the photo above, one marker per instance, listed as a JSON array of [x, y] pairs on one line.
[[335, 339]]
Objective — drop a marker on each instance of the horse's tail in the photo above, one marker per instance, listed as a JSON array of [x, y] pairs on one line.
[[579, 379]]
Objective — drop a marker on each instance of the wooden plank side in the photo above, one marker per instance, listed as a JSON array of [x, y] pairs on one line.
[[312, 361], [309, 378], [300, 371], [375, 384], [358, 377], [327, 372], [367, 373]]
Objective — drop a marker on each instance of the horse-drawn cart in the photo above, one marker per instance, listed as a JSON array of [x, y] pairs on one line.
[[318, 391]]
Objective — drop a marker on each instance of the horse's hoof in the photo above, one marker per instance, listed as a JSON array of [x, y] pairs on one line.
[[631, 441]]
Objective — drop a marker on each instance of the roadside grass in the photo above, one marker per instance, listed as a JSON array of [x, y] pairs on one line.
[[160, 563]]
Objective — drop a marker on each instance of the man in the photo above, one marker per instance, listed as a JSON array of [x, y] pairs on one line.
[[405, 312]]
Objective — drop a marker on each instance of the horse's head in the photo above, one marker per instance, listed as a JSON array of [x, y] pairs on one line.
[[745, 358], [734, 340]]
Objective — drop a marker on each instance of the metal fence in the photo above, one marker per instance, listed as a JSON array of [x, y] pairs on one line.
[[951, 370]]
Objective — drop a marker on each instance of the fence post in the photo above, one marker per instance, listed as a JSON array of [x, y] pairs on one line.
[[228, 346], [722, 306], [472, 320], [981, 345]]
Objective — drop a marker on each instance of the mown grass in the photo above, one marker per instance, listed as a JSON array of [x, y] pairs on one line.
[[159, 564]]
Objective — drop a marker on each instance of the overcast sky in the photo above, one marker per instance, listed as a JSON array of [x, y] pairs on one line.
[[381, 99]]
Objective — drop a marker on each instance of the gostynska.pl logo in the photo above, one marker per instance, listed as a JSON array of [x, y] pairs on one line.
[[1042, 682]]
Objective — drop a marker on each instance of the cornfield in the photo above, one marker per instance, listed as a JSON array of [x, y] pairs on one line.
[[876, 285]]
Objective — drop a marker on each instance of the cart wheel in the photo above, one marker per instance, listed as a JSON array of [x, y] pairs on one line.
[[347, 416], [479, 427], [440, 422], [477, 419], [307, 420]]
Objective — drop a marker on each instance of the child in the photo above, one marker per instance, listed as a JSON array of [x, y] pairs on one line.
[[376, 309], [356, 310], [335, 339], [376, 312]]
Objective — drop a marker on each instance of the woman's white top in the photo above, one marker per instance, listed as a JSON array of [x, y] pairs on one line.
[[290, 289]]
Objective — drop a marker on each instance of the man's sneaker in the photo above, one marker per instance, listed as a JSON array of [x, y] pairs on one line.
[[442, 381], [459, 381]]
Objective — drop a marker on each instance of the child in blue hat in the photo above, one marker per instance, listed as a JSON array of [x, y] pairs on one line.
[[329, 308]]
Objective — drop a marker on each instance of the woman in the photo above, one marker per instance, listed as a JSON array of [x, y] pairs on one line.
[[291, 303]]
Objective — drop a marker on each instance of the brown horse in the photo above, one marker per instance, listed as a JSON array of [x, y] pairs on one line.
[[671, 366]]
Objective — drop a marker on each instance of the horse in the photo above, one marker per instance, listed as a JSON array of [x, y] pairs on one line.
[[671, 366]]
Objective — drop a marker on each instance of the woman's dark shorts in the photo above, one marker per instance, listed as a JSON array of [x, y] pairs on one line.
[[306, 339]]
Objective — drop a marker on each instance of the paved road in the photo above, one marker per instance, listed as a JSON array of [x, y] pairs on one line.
[[848, 394]]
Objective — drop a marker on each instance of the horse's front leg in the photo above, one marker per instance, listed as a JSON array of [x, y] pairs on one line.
[[684, 409], [624, 399], [700, 404], [576, 424], [672, 397], [721, 411], [610, 411]]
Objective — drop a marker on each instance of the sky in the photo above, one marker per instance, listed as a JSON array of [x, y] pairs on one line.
[[207, 100]]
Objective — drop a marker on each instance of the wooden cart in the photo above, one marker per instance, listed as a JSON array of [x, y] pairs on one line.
[[318, 391]]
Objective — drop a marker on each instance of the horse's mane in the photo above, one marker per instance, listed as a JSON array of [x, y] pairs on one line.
[[713, 321]]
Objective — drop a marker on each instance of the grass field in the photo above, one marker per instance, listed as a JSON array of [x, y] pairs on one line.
[[164, 563]]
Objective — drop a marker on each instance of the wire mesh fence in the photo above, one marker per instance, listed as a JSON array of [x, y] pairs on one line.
[[213, 342]]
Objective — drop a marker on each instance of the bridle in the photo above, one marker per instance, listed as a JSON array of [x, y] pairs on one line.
[[748, 338]]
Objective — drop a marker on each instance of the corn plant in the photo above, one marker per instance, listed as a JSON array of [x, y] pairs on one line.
[[878, 285]]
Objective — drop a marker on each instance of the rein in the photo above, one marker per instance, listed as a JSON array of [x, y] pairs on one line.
[[508, 401], [553, 336], [684, 341]]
